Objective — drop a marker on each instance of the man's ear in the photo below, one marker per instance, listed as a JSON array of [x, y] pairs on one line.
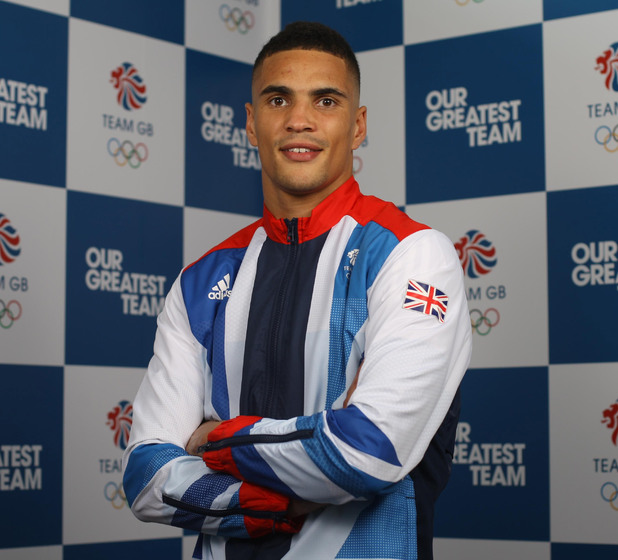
[[360, 130], [250, 124]]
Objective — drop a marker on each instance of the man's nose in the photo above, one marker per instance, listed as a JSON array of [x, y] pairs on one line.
[[300, 117]]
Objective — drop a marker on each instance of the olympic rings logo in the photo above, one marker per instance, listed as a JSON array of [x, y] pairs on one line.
[[482, 323], [610, 496], [9, 313], [610, 137], [235, 19], [115, 494], [127, 153], [465, 2]]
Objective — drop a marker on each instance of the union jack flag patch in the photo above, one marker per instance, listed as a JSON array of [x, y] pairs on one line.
[[426, 299]]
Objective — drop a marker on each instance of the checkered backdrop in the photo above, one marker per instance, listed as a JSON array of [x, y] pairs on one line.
[[124, 157]]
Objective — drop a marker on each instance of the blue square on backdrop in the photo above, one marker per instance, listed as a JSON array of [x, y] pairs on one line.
[[155, 549], [222, 170], [553, 9], [162, 19], [365, 25], [568, 551], [583, 275], [31, 432], [33, 95], [499, 486], [122, 258], [474, 122]]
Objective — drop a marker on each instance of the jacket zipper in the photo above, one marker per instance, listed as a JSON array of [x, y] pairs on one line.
[[249, 439], [275, 515], [271, 365]]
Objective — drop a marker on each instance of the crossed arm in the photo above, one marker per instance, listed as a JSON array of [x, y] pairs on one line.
[[296, 508], [412, 368]]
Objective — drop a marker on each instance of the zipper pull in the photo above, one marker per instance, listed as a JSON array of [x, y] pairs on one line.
[[292, 230], [203, 448]]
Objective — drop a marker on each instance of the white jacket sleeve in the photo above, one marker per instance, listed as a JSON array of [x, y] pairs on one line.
[[162, 482]]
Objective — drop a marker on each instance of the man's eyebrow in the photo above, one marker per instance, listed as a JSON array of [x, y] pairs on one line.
[[329, 91], [284, 90]]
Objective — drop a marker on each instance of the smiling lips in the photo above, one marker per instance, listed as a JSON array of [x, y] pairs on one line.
[[300, 153]]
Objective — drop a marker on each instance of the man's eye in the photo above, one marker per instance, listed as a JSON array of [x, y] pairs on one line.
[[277, 101], [327, 102]]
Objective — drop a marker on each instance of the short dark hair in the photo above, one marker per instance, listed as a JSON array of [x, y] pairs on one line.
[[310, 36]]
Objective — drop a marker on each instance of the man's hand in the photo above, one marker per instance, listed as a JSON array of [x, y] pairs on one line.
[[200, 436], [353, 386]]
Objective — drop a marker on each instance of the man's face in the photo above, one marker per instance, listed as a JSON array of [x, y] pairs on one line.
[[305, 121]]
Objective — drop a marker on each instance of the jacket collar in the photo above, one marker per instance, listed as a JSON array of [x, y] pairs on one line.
[[323, 217]]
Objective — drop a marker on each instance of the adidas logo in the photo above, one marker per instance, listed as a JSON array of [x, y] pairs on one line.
[[221, 289]]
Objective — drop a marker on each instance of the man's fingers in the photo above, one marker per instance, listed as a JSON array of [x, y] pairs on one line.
[[200, 436]]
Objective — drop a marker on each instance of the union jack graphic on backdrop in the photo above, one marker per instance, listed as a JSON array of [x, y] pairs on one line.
[[130, 86], [607, 64], [120, 420], [426, 299]]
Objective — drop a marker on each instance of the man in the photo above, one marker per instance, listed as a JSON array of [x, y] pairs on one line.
[[334, 360]]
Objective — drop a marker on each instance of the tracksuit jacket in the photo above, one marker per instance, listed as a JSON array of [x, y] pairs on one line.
[[267, 331]]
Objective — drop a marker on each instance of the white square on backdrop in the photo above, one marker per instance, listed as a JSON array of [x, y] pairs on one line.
[[94, 506], [581, 112], [379, 163], [132, 145], [583, 457], [32, 284], [506, 280], [234, 29], [428, 20]]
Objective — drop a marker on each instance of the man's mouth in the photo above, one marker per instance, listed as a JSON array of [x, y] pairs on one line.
[[301, 150], [301, 154]]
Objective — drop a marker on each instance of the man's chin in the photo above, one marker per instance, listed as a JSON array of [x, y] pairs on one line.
[[304, 186]]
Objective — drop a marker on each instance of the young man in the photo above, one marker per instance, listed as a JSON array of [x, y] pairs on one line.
[[334, 360]]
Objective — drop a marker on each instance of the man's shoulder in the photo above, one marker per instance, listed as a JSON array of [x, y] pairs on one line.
[[387, 215], [237, 242]]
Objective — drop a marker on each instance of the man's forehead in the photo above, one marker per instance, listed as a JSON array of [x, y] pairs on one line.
[[327, 66]]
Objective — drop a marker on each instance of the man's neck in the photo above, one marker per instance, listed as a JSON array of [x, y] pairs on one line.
[[295, 205], [292, 207]]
